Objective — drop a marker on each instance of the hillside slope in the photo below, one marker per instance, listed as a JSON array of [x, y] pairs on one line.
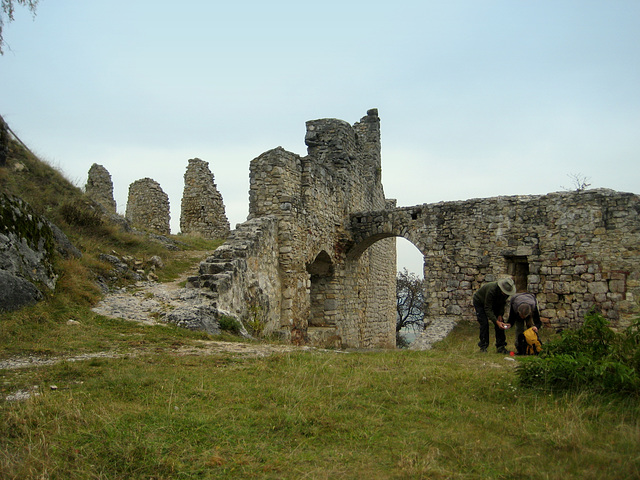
[[108, 252]]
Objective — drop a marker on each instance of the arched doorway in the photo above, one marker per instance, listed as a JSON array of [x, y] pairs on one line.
[[323, 299], [410, 292]]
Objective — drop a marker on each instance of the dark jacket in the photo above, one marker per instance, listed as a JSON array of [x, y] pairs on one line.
[[517, 300], [491, 299]]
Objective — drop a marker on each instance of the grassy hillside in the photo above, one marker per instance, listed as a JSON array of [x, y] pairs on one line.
[[43, 328]]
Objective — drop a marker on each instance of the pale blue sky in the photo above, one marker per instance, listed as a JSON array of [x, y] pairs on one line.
[[476, 98]]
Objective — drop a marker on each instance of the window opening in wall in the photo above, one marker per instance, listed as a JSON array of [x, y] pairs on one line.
[[518, 268]]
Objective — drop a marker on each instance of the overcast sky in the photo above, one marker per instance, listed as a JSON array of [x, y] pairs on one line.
[[477, 98]]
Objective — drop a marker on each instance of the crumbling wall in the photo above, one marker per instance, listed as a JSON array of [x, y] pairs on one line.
[[99, 187], [320, 295], [202, 208], [148, 206], [241, 277], [574, 250]]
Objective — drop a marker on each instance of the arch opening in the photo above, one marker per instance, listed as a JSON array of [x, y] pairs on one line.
[[410, 293], [323, 299]]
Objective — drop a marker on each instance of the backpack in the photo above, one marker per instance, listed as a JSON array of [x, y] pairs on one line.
[[529, 343]]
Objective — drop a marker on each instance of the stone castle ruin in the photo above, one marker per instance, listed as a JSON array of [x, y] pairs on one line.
[[289, 267], [202, 212], [99, 187], [202, 209], [315, 261], [148, 206]]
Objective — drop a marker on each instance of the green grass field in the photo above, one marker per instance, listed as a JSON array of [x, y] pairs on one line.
[[448, 413]]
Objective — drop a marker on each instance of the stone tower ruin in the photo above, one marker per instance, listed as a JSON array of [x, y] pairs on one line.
[[99, 187], [202, 210], [288, 266], [148, 206]]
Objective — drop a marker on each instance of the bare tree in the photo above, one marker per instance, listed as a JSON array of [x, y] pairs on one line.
[[579, 182], [410, 302], [7, 14]]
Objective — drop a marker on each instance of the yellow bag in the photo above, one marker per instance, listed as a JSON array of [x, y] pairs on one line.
[[533, 344]]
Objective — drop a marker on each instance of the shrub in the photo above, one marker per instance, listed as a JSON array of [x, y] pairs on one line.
[[592, 357], [80, 214], [256, 322], [229, 324]]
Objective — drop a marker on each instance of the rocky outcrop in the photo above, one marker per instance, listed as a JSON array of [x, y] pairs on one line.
[[28, 243]]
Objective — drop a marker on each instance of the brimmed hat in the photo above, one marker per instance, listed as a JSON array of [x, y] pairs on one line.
[[507, 286]]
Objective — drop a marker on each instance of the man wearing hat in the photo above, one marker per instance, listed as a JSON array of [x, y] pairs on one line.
[[490, 301]]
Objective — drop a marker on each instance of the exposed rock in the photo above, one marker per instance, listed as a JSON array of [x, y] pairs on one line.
[[16, 292], [63, 245], [195, 317], [27, 246]]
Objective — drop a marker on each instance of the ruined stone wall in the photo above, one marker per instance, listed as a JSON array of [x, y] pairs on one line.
[[341, 176], [99, 187], [202, 208], [324, 297], [574, 250], [241, 277], [148, 206]]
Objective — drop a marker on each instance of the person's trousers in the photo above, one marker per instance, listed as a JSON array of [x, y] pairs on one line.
[[501, 339]]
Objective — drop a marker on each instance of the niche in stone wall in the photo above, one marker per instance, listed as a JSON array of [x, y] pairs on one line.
[[323, 300], [518, 268]]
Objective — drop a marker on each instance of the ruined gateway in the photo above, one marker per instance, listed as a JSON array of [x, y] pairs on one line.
[[315, 262]]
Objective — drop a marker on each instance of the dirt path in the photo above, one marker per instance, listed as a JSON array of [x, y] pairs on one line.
[[147, 301]]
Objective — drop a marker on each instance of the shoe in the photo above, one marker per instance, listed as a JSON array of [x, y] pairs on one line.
[[502, 350]]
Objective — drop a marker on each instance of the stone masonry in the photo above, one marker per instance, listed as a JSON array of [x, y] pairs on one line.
[[315, 262], [573, 250], [148, 206], [99, 187], [202, 210], [287, 266]]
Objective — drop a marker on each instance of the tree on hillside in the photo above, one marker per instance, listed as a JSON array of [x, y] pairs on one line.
[[410, 302], [7, 12]]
